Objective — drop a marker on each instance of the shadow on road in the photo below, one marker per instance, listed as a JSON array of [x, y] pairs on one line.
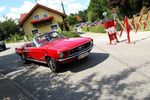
[[10, 63], [145, 38], [57, 86], [52, 86], [91, 61]]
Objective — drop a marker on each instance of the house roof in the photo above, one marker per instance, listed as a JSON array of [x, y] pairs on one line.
[[25, 16], [22, 16]]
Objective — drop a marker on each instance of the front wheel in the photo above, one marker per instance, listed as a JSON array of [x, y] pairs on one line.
[[52, 64]]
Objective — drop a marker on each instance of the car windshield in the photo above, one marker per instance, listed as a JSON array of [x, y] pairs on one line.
[[39, 40]]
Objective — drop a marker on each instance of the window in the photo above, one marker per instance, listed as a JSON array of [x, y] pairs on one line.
[[45, 15], [35, 31], [36, 17], [54, 27]]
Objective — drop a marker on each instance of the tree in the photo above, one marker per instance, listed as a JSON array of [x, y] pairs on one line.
[[72, 19], [96, 9], [8, 27], [128, 7], [83, 15]]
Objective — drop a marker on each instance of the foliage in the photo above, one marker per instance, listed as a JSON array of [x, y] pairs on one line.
[[142, 24], [28, 37], [14, 38], [61, 25], [119, 27], [96, 9], [83, 15], [144, 10], [128, 7], [95, 29], [70, 34], [124, 8], [18, 38], [72, 19], [8, 28]]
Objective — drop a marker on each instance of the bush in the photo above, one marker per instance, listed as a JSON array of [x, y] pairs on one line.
[[14, 38], [95, 29], [119, 27], [18, 38], [28, 37], [70, 34], [84, 29]]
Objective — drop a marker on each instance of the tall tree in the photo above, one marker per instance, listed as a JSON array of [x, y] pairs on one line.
[[8, 27], [128, 7], [83, 15], [72, 19], [96, 9]]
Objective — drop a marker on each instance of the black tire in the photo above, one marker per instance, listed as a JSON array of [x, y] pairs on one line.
[[24, 60], [53, 65]]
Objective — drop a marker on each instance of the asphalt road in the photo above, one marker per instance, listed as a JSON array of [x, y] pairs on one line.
[[118, 71]]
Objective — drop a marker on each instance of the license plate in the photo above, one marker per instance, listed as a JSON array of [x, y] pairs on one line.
[[83, 55]]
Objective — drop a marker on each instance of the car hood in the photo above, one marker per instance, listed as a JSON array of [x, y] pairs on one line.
[[64, 44]]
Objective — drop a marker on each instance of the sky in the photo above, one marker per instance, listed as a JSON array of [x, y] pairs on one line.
[[13, 8]]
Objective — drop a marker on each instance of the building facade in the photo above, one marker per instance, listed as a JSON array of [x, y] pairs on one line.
[[41, 19]]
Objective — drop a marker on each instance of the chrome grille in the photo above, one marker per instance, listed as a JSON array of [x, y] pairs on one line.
[[80, 48]]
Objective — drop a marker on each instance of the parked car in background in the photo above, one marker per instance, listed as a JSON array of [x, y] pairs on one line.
[[2, 46], [55, 49]]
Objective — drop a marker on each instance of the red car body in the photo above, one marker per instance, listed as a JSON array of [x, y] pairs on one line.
[[59, 50]]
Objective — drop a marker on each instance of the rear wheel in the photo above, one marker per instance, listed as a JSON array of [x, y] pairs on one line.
[[52, 64], [24, 60]]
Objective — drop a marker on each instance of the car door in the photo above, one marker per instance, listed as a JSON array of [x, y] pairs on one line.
[[26, 52], [37, 53], [34, 53]]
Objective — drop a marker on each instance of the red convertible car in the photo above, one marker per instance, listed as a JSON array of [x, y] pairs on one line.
[[55, 49]]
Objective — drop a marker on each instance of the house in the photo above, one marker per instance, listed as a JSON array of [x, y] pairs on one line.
[[41, 19]]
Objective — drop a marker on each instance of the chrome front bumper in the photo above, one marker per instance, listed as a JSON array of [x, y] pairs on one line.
[[77, 54]]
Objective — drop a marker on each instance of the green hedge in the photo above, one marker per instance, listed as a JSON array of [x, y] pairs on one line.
[[70, 34], [18, 38], [14, 38], [95, 29]]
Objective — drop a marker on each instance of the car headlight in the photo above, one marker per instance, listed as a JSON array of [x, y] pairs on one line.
[[91, 42], [61, 55], [64, 54]]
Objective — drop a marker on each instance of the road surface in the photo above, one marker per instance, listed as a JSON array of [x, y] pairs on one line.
[[118, 71]]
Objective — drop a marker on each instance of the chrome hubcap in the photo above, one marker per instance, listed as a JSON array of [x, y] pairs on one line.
[[51, 64]]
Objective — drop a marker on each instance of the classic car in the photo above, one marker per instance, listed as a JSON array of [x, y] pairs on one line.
[[2, 46], [55, 49]]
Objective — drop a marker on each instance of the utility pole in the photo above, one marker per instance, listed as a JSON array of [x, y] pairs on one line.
[[63, 7], [64, 20]]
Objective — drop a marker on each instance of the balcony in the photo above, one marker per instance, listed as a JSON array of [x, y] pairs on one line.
[[42, 21]]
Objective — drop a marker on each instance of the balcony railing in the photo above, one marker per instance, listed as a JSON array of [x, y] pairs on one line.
[[46, 19]]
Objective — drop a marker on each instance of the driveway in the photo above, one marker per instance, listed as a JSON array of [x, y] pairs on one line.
[[118, 71]]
